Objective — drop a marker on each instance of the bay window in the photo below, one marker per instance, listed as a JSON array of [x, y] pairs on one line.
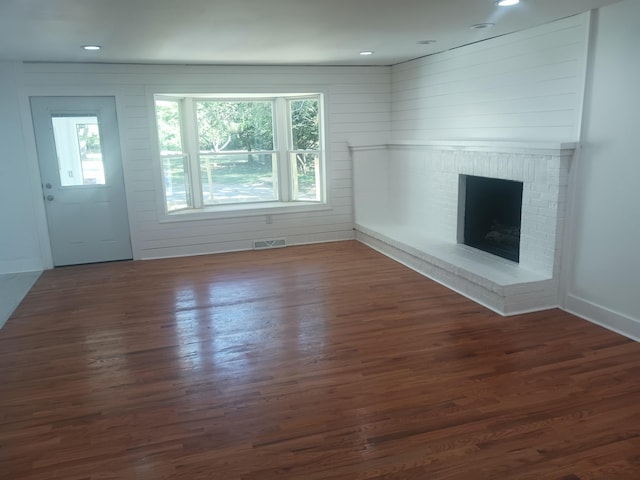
[[240, 152]]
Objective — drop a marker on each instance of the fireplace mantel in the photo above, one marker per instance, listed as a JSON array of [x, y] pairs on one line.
[[497, 146], [407, 206]]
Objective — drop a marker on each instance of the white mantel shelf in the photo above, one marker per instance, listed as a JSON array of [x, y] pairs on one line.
[[496, 146]]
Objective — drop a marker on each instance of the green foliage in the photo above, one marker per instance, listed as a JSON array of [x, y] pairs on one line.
[[305, 133], [168, 119], [234, 126], [88, 138], [235, 139], [304, 124], [238, 125]]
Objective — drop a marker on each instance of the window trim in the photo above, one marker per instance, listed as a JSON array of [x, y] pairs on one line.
[[283, 148], [262, 209]]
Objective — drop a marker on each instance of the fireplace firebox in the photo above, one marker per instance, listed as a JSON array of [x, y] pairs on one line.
[[492, 215]]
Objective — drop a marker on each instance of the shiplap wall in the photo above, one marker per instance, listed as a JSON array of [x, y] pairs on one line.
[[524, 86], [357, 106], [19, 246]]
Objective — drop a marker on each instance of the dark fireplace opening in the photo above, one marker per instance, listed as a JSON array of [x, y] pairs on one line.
[[492, 215]]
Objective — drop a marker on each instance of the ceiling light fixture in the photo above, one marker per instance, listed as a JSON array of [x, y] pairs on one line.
[[482, 26], [506, 3], [426, 42], [366, 52], [92, 48]]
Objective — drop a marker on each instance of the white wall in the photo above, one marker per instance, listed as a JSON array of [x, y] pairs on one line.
[[527, 86], [19, 242], [524, 86], [357, 106], [603, 255]]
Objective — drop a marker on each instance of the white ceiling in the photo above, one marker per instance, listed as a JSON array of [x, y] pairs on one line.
[[259, 32]]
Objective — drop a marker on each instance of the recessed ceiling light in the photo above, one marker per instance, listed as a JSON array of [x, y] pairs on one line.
[[91, 47], [426, 42], [482, 26], [366, 52], [507, 3]]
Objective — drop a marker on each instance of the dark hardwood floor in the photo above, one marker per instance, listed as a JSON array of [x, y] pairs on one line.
[[317, 362]]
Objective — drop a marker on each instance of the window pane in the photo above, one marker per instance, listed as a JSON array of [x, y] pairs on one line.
[[78, 149], [305, 132], [306, 177], [237, 178], [177, 190], [234, 126], [169, 134]]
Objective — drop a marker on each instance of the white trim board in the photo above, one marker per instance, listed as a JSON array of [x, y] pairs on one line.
[[614, 321]]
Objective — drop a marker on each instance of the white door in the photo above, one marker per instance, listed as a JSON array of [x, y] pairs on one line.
[[82, 182]]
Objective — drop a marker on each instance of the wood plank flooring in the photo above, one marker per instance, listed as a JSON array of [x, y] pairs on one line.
[[316, 362]]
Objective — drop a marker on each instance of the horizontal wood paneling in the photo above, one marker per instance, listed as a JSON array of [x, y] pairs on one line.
[[357, 103], [20, 250], [524, 86]]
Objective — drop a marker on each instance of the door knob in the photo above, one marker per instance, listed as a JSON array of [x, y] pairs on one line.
[[47, 186], [50, 197]]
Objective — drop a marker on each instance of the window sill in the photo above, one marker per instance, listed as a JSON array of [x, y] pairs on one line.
[[249, 210]]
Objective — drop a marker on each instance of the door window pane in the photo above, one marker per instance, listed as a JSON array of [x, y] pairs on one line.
[[78, 150]]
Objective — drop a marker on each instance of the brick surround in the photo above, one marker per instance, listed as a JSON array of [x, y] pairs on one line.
[[418, 219]]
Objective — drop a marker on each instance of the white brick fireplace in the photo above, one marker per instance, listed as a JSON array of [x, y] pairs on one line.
[[407, 205]]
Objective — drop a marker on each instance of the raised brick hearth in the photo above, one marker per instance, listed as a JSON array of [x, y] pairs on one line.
[[408, 206]]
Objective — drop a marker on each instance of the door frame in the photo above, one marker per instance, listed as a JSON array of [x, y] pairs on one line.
[[34, 167]]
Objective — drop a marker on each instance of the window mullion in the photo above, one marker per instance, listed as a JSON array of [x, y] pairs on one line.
[[189, 120], [241, 173], [283, 141]]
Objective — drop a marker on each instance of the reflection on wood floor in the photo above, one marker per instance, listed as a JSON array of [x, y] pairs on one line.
[[316, 362]]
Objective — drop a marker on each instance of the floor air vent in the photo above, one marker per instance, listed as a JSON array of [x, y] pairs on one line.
[[271, 243]]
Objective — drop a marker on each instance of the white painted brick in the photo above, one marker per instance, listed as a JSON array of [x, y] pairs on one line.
[[518, 169], [435, 179], [492, 166], [547, 213], [540, 187], [530, 169], [540, 202], [503, 169]]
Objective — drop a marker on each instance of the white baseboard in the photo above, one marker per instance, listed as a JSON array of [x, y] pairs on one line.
[[614, 321], [243, 246]]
